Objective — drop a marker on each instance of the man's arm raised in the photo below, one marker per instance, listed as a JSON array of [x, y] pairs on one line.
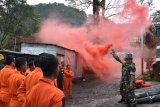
[[117, 57]]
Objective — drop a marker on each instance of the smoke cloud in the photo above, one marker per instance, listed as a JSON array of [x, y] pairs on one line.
[[94, 42]]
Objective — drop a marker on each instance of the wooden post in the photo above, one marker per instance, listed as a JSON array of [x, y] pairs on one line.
[[142, 44]]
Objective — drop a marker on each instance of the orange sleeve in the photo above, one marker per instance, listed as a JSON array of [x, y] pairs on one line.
[[19, 82], [56, 100], [22, 91], [71, 74], [26, 102], [58, 104]]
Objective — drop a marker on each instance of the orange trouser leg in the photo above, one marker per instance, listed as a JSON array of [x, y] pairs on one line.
[[70, 88], [66, 84], [64, 87]]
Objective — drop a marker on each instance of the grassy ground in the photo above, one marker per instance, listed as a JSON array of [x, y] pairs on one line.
[[145, 76]]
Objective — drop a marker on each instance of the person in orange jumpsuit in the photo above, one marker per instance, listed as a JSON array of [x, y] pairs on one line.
[[16, 80], [31, 67], [45, 94], [67, 78], [31, 80], [6, 72]]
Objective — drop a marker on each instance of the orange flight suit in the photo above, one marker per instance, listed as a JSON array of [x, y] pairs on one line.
[[0, 81], [67, 80], [27, 72], [31, 80], [5, 97], [44, 94], [15, 81]]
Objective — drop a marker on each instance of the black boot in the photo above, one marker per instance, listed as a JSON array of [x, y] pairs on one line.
[[128, 105], [132, 105]]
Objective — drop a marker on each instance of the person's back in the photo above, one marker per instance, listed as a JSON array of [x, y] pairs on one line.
[[6, 72], [16, 80], [34, 77], [31, 80], [45, 94]]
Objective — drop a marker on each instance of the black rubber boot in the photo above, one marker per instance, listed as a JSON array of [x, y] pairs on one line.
[[132, 105]]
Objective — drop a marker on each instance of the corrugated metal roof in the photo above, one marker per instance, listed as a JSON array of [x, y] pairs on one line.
[[9, 52], [50, 44]]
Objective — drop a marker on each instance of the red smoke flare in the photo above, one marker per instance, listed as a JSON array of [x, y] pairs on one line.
[[94, 42]]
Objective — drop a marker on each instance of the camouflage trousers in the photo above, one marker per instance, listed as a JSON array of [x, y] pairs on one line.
[[127, 94]]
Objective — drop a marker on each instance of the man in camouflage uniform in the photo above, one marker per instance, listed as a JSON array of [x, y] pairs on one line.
[[127, 80]]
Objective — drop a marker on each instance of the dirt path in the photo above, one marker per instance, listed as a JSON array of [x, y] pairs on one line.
[[101, 94]]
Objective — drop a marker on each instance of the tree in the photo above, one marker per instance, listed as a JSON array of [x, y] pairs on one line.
[[150, 40], [156, 17], [109, 7], [148, 3], [16, 19], [63, 12]]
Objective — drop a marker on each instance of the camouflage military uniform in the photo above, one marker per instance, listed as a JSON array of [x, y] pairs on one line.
[[126, 92]]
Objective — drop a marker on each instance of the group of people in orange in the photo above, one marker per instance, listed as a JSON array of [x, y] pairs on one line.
[[42, 83]]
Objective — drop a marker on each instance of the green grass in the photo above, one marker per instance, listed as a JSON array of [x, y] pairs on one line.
[[145, 76]]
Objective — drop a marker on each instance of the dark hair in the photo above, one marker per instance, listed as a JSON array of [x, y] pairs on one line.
[[67, 65], [128, 58], [30, 64], [36, 62], [62, 63], [42, 54], [48, 64], [20, 61], [9, 59]]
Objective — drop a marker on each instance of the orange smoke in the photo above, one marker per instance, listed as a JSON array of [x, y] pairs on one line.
[[94, 42], [96, 57]]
